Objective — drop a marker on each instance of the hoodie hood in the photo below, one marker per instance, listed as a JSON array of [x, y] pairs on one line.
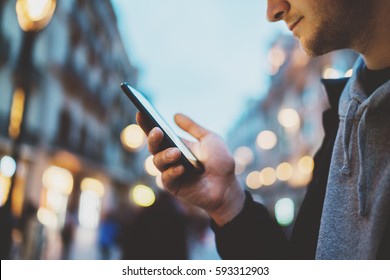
[[361, 105], [357, 199]]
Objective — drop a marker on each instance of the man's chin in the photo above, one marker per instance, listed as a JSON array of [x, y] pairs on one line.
[[312, 48]]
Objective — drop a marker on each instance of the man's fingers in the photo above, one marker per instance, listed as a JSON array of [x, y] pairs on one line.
[[170, 178], [155, 134], [166, 158], [155, 138], [190, 126], [141, 120]]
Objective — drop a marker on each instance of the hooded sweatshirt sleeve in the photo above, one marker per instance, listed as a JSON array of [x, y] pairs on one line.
[[252, 234]]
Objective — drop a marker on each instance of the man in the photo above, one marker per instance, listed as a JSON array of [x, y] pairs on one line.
[[346, 211]]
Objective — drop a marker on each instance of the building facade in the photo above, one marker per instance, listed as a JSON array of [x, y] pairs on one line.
[[71, 162]]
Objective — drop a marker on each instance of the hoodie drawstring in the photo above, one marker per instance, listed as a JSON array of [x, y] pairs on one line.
[[358, 111], [348, 125], [362, 183]]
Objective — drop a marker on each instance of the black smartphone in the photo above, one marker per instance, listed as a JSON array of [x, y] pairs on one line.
[[188, 160]]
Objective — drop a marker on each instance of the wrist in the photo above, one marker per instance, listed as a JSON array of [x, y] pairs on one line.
[[233, 203]]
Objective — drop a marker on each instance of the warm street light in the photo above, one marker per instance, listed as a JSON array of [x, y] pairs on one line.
[[92, 191], [142, 195], [16, 114], [306, 165], [243, 155], [266, 139], [94, 185], [58, 179], [150, 167], [33, 16], [133, 137], [284, 171], [253, 180], [268, 176], [288, 118]]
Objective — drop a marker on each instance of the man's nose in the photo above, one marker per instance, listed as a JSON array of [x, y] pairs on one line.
[[277, 9]]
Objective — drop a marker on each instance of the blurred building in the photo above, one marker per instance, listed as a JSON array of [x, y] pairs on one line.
[[71, 163], [275, 139]]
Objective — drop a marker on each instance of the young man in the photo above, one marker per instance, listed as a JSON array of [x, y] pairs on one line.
[[346, 211]]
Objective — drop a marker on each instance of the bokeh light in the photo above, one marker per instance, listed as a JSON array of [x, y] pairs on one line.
[[7, 166], [253, 180], [159, 182], [16, 113], [143, 195], [58, 178], [306, 165], [92, 191], [348, 73], [47, 218], [276, 57], [150, 168], [92, 185], [133, 137], [266, 140], [268, 176], [288, 118], [284, 171], [55, 200], [331, 73], [303, 174], [89, 209], [34, 15], [284, 211], [243, 155], [239, 168], [5, 183]]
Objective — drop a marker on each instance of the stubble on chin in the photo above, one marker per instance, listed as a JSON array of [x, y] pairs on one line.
[[324, 39], [333, 29]]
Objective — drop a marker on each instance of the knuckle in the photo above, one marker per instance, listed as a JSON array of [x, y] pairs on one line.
[[171, 155], [158, 161]]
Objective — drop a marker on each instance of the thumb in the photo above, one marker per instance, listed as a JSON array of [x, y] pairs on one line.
[[190, 126]]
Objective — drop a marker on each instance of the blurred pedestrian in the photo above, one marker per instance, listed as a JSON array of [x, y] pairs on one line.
[[108, 235], [346, 211], [159, 232]]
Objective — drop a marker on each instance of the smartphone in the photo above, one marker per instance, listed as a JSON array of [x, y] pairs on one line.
[[188, 160]]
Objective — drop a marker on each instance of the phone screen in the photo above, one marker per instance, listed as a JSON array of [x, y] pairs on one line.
[[189, 161]]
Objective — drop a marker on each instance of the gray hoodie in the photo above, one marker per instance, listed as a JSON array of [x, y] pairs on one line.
[[357, 200]]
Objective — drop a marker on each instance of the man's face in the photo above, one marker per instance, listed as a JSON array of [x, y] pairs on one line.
[[324, 25]]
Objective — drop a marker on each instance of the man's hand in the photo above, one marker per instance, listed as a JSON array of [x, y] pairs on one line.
[[216, 190]]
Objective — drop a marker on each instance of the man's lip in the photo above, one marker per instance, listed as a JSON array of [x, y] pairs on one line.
[[292, 26]]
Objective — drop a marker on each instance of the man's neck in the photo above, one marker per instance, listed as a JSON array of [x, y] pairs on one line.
[[378, 57], [375, 46]]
